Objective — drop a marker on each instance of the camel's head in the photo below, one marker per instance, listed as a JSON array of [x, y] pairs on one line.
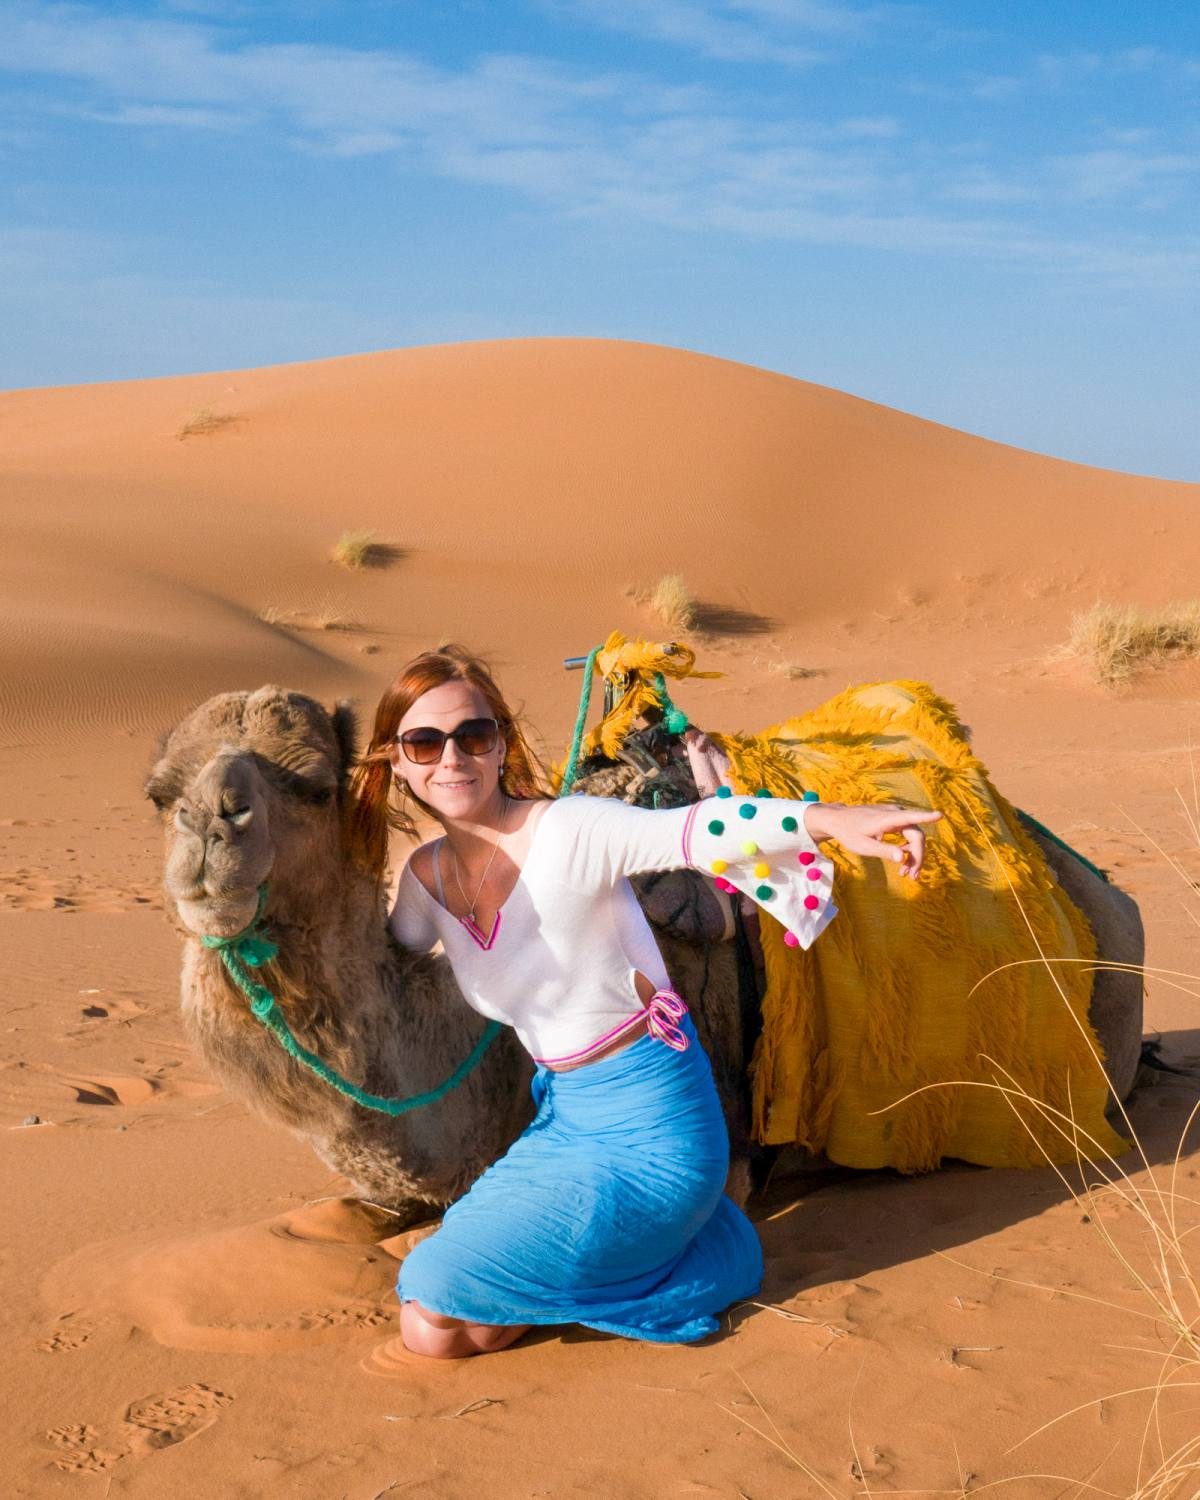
[[250, 786]]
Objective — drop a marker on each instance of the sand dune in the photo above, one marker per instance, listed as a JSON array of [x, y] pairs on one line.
[[569, 468], [190, 1307]]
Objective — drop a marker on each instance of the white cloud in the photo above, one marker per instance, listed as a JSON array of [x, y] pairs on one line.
[[772, 31], [1108, 174], [614, 143]]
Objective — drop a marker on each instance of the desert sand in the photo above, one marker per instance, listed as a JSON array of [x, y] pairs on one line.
[[187, 1298]]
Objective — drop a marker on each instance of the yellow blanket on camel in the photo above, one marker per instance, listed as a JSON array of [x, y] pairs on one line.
[[898, 1038]]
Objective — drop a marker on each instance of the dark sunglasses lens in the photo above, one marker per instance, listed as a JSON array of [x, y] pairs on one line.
[[476, 736], [423, 745]]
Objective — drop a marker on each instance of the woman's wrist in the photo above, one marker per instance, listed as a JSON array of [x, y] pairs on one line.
[[817, 821]]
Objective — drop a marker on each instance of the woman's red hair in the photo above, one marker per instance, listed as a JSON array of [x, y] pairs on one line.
[[377, 803]]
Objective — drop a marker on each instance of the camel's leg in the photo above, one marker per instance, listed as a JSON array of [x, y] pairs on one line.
[[439, 1337]]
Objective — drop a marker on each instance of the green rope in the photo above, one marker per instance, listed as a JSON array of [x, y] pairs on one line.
[[585, 697], [675, 721], [250, 948], [1062, 843]]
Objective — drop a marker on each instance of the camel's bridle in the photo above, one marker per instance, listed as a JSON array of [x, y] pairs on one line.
[[251, 948]]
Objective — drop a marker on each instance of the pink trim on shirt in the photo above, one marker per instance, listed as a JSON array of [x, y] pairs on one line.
[[664, 1009], [686, 840]]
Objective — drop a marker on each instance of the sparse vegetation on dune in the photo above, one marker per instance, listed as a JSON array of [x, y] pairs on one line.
[[325, 614], [204, 421], [363, 549], [353, 549], [1117, 640], [793, 670], [669, 599]]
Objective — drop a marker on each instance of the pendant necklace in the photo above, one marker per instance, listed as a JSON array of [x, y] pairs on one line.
[[485, 940]]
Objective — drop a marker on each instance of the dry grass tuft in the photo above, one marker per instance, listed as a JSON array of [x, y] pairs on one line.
[[793, 670], [1117, 641], [669, 599], [354, 549], [325, 614], [203, 422]]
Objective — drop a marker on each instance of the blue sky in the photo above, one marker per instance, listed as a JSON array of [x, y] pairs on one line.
[[985, 214]]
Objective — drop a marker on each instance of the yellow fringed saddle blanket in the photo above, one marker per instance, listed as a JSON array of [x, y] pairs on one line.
[[899, 1038]]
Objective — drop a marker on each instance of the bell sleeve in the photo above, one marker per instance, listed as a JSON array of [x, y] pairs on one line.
[[758, 846]]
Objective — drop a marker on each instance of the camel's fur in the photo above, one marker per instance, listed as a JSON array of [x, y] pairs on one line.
[[252, 788]]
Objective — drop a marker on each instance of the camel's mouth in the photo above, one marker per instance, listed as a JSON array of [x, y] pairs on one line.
[[217, 916]]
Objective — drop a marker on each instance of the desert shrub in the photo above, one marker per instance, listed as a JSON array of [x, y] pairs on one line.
[[203, 422], [669, 599], [354, 549], [323, 614], [1116, 641]]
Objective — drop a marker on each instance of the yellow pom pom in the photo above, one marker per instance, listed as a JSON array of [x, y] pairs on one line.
[[762, 869], [719, 866], [749, 847]]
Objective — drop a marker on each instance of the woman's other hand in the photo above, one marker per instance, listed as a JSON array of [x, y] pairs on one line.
[[860, 829]]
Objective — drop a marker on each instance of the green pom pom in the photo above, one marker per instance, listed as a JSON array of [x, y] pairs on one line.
[[812, 797], [790, 825], [723, 791], [747, 810], [716, 826], [764, 892], [675, 721], [762, 792]]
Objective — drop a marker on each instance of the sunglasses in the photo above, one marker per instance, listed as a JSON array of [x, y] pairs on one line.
[[473, 737]]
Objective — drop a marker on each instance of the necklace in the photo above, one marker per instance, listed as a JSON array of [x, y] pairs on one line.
[[485, 940]]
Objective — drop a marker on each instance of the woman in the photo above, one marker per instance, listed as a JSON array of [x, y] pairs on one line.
[[609, 1209]]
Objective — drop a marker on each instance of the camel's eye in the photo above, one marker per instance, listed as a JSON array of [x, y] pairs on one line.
[[161, 793], [242, 817]]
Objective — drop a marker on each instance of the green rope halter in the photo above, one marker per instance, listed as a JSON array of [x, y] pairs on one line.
[[249, 949]]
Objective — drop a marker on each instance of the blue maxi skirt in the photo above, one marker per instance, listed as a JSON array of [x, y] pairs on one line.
[[608, 1210]]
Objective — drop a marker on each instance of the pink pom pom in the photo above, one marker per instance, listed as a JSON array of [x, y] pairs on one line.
[[791, 940], [814, 873], [807, 857], [724, 885], [811, 902]]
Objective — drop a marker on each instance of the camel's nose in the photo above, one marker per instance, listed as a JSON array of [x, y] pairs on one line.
[[219, 808]]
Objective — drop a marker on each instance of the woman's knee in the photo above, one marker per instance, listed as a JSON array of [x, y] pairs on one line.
[[432, 1333]]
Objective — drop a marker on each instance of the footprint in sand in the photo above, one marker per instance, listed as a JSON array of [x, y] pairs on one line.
[[131, 1091], [151, 1424], [172, 1417], [317, 1273], [78, 1450], [64, 1340]]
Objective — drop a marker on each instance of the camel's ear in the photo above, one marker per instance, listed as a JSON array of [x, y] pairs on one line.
[[345, 728], [163, 786], [163, 783]]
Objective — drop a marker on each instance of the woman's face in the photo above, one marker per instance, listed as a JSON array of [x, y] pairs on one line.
[[457, 785]]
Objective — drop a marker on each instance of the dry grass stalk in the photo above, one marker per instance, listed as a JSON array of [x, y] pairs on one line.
[[354, 549], [1166, 1276], [203, 422], [792, 670], [1117, 641], [326, 614], [669, 599]]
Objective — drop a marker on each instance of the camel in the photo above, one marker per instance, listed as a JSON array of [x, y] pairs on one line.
[[252, 788]]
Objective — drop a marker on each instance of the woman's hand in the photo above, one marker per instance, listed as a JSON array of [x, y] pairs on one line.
[[860, 829]]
